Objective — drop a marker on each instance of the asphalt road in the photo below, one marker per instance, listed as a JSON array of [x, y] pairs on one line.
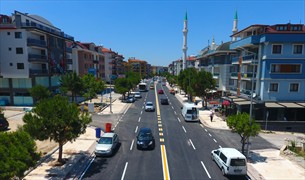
[[182, 149]]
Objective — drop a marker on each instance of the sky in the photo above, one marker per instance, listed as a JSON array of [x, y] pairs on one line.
[[152, 30]]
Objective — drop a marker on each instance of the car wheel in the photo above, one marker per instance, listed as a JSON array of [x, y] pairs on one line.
[[223, 171], [212, 157]]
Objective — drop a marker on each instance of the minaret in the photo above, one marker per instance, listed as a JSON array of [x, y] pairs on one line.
[[235, 26], [184, 48]]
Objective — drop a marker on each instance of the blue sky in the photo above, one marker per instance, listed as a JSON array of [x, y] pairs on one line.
[[152, 30]]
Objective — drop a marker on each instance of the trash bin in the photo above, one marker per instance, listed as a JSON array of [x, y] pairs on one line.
[[108, 127], [97, 132]]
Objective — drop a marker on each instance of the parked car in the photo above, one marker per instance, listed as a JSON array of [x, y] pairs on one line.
[[145, 139], [172, 91], [164, 101], [230, 161], [130, 99], [137, 95], [107, 144], [160, 91], [149, 106], [3, 124]]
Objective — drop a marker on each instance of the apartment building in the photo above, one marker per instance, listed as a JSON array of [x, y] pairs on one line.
[[32, 51], [270, 60], [138, 66]]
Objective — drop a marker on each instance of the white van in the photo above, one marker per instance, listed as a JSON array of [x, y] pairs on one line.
[[190, 112], [230, 161]]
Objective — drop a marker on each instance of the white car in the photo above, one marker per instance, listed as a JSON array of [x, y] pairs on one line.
[[230, 161], [137, 95], [149, 106], [107, 144]]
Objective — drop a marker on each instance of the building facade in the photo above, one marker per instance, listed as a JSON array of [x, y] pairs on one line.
[[32, 52]]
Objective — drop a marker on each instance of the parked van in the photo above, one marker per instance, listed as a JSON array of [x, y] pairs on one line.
[[190, 112], [230, 161]]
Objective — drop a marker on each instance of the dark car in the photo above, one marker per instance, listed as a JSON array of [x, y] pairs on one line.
[[3, 124], [130, 99], [145, 139], [160, 91], [164, 101]]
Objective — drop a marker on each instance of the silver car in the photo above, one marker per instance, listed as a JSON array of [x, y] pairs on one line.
[[149, 106], [107, 144]]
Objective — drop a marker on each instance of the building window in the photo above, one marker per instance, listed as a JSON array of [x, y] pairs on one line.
[[294, 87], [9, 49], [276, 49], [273, 87], [296, 28], [20, 66], [8, 33], [298, 49], [11, 64], [19, 51], [285, 68], [18, 35]]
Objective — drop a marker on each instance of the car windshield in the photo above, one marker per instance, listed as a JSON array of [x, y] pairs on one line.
[[149, 104], [145, 136], [238, 162], [105, 140]]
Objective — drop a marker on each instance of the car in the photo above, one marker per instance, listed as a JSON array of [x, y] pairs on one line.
[[164, 101], [137, 95], [172, 91], [130, 99], [3, 124], [230, 161], [145, 139], [160, 91], [107, 144], [149, 106]]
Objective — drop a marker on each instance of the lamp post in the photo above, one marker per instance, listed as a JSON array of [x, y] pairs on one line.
[[251, 98], [110, 105]]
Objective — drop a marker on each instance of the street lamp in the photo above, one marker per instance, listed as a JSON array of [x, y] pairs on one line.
[[251, 98]]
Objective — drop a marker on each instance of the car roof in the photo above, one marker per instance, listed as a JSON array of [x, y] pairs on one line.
[[231, 152], [148, 102], [145, 130], [110, 134]]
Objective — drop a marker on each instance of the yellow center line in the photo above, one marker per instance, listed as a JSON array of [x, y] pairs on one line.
[[166, 175]]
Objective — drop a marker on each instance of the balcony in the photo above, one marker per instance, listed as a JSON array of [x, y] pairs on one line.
[[245, 59], [69, 61], [38, 58], [68, 50], [247, 75], [36, 42], [47, 29], [96, 61], [234, 74], [38, 72], [251, 40]]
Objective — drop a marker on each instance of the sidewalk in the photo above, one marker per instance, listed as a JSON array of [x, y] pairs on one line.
[[266, 163]]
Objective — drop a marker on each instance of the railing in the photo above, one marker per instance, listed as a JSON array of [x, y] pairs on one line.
[[38, 72], [47, 29], [248, 75], [234, 74], [36, 42], [37, 57], [68, 50], [245, 58], [69, 61], [248, 40]]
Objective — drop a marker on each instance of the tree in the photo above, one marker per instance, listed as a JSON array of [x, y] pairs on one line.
[[91, 86], [71, 82], [187, 81], [56, 119], [39, 92], [17, 154], [204, 83], [122, 85], [240, 123], [134, 78]]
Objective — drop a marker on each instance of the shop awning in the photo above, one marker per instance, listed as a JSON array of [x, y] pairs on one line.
[[291, 105], [273, 105], [243, 102]]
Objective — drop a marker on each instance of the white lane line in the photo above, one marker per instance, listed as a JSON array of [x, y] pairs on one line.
[[141, 112], [172, 107], [210, 135], [192, 144], [131, 145], [81, 177], [123, 175], [179, 119], [214, 140], [201, 125], [206, 130], [139, 119], [205, 169], [136, 130], [142, 107], [183, 129], [220, 146], [175, 112]]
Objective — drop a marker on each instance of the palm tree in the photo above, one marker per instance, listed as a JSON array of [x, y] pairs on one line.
[[72, 83]]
